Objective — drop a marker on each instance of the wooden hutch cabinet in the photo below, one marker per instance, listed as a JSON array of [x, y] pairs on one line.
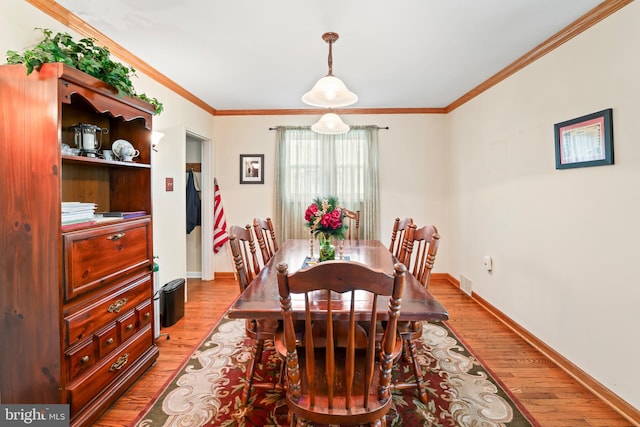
[[76, 303]]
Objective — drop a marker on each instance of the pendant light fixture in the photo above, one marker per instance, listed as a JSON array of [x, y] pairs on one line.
[[331, 124], [330, 91]]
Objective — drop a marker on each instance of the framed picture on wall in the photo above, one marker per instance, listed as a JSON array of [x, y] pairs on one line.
[[585, 141], [251, 168]]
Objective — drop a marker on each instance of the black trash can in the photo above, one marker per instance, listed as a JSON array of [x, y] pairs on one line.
[[171, 302]]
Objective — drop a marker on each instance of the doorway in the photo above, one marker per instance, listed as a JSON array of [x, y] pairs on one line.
[[199, 243]]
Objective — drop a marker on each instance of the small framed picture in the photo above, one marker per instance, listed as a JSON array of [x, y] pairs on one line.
[[585, 141], [251, 168]]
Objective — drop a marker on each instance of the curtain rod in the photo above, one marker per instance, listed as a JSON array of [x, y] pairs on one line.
[[379, 128]]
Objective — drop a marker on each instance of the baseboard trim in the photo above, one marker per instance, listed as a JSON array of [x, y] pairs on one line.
[[603, 393]]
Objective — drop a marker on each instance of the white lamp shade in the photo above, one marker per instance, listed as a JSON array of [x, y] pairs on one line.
[[156, 136], [330, 123], [329, 92]]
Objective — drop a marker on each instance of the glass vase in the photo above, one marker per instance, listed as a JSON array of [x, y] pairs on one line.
[[327, 250]]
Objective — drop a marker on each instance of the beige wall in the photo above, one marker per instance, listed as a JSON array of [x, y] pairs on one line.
[[412, 169], [564, 242]]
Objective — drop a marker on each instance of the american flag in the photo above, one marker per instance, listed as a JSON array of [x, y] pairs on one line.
[[220, 236]]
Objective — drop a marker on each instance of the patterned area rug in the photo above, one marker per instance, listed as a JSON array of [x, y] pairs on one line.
[[206, 391]]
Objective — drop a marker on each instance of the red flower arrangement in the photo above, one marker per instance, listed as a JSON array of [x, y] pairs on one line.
[[325, 216]]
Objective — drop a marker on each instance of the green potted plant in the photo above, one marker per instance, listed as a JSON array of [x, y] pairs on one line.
[[83, 55]]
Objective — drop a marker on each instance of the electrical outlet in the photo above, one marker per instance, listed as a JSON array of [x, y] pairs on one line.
[[465, 284]]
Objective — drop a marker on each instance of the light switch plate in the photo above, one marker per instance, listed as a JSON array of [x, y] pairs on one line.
[[487, 262]]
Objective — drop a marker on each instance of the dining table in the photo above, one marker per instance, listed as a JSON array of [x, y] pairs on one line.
[[261, 300]]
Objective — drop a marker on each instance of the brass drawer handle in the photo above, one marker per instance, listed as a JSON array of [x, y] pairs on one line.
[[118, 364], [109, 341], [84, 360], [116, 237], [129, 327], [146, 315], [117, 306]]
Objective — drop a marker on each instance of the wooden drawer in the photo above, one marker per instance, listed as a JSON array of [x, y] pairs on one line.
[[144, 314], [127, 325], [107, 339], [81, 358], [98, 255], [86, 388], [86, 321]]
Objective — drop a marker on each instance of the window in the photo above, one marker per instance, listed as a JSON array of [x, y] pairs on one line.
[[310, 165]]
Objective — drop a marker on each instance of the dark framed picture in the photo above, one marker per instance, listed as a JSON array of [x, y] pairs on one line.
[[585, 141], [251, 168]]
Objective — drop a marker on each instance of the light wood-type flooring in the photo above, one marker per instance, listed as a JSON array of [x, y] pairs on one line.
[[548, 393]]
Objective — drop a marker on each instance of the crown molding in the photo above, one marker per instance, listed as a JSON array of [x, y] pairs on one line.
[[342, 111], [72, 21], [583, 23]]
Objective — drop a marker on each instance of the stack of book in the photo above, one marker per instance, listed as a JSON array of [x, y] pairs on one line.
[[77, 213], [129, 214]]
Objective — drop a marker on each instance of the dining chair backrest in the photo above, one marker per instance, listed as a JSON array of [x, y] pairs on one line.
[[243, 249], [333, 382], [245, 258], [421, 247], [400, 227], [266, 237], [352, 218]]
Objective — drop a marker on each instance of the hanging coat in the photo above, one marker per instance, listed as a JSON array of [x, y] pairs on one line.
[[193, 204]]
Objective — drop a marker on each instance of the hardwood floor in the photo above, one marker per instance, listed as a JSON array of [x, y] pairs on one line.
[[548, 393]]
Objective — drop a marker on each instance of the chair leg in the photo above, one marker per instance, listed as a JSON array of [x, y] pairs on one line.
[[406, 352], [258, 350], [417, 372], [283, 372], [258, 345]]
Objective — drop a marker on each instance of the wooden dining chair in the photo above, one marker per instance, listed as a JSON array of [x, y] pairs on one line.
[[420, 247], [397, 235], [336, 383], [245, 258], [266, 237], [352, 218]]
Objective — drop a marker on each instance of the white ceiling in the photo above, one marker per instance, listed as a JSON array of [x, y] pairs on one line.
[[257, 54]]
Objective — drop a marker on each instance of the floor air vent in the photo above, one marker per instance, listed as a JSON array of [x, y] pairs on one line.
[[465, 284]]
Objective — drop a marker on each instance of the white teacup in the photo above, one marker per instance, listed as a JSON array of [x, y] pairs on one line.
[[108, 155], [128, 153]]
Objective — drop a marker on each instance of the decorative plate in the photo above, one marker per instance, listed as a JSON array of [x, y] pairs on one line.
[[118, 145]]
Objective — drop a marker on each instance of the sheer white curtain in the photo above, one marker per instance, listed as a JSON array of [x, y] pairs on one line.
[[310, 165]]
